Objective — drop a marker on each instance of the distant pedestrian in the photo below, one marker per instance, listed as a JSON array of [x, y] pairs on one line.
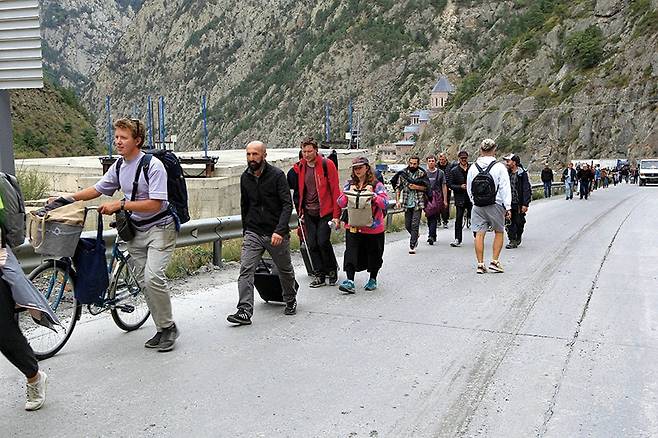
[[547, 180], [410, 195], [364, 246], [266, 206], [569, 178], [521, 198], [604, 178], [584, 180], [316, 188], [446, 167], [437, 197], [597, 176], [463, 205], [489, 189]]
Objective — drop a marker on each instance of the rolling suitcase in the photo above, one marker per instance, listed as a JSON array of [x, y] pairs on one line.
[[267, 283]]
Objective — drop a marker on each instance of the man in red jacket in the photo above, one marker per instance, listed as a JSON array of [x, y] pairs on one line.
[[316, 190]]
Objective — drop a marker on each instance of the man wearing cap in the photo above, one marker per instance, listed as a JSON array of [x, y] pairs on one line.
[[457, 178], [410, 195], [486, 177], [521, 197], [316, 190]]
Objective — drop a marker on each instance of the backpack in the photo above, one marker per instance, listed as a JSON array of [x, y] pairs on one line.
[[176, 186], [483, 187], [359, 208], [13, 214]]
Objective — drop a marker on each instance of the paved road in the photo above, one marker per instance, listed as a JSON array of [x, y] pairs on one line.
[[563, 344]]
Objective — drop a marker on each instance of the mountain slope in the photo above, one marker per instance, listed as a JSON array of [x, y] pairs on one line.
[[269, 66]]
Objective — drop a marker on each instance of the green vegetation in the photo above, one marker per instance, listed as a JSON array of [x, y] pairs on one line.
[[585, 48], [51, 122], [647, 18], [33, 184]]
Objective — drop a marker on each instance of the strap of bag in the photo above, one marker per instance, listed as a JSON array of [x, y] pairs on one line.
[[99, 230], [136, 180]]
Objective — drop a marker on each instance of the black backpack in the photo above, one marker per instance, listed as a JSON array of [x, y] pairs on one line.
[[176, 186], [483, 187]]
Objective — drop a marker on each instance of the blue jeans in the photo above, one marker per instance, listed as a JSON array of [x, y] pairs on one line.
[[568, 190], [547, 189]]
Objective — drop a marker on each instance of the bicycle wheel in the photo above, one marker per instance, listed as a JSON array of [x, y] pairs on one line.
[[53, 279], [130, 311]]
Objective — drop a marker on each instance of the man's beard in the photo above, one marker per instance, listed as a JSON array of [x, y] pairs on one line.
[[254, 165]]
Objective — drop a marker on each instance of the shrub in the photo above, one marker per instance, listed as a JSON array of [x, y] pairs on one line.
[[586, 47], [33, 184]]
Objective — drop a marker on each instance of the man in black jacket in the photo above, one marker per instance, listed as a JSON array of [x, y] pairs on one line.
[[521, 197], [547, 180], [457, 182], [266, 207], [446, 167]]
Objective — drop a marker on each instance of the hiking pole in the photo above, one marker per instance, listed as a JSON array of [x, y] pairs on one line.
[[300, 221]]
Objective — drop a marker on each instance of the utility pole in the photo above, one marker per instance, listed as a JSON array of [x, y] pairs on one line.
[[6, 136]]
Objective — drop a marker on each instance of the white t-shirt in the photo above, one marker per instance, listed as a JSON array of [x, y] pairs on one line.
[[501, 179]]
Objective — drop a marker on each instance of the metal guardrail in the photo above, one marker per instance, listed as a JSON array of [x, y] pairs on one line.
[[195, 232]]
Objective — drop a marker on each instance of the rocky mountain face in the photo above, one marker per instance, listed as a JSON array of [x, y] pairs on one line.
[[79, 34], [549, 79]]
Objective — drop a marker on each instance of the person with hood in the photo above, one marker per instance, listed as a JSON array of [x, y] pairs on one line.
[[364, 246], [521, 197], [17, 291]]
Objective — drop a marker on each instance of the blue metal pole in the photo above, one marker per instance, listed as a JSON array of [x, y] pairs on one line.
[[327, 123], [109, 126], [205, 126], [161, 121], [149, 120]]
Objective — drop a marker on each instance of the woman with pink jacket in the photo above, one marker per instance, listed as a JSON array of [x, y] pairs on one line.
[[364, 246]]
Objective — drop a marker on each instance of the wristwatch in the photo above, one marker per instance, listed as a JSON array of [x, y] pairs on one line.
[[123, 204]]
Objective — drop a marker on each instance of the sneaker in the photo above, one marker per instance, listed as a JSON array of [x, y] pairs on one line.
[[412, 250], [317, 282], [481, 268], [332, 278], [456, 244], [445, 225], [431, 241], [347, 286], [240, 317], [371, 284], [291, 308], [154, 342], [496, 266], [512, 244], [169, 336], [36, 393]]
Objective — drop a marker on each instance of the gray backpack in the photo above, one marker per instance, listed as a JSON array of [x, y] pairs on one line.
[[359, 208], [13, 229]]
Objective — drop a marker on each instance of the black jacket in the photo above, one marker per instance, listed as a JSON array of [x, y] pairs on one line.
[[585, 175], [573, 175], [265, 202], [523, 187], [546, 175], [457, 177]]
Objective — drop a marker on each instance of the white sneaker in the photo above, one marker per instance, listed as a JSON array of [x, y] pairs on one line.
[[36, 393]]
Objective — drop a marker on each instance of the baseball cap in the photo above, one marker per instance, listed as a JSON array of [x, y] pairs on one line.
[[508, 157], [360, 161]]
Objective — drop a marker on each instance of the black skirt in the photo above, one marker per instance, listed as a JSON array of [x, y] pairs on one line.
[[363, 251]]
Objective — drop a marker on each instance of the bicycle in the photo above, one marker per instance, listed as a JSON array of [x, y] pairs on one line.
[[55, 278]]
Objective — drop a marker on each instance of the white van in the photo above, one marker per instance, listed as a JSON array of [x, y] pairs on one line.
[[648, 171]]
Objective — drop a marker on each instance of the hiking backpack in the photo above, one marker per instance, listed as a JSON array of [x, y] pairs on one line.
[[483, 187], [176, 186], [13, 213]]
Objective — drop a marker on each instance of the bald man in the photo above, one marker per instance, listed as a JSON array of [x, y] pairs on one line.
[[266, 207]]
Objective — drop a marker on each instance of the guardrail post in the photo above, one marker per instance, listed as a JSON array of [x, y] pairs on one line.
[[217, 253]]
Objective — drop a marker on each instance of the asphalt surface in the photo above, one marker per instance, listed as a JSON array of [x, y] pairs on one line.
[[563, 344]]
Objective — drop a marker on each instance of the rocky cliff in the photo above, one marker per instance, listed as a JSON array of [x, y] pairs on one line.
[[547, 78]]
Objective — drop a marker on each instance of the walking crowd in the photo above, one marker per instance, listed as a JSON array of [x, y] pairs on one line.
[[490, 196]]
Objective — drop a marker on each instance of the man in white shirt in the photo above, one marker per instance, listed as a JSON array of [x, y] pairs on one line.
[[488, 188]]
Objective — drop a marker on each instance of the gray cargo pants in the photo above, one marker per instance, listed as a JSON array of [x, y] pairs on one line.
[[253, 247], [151, 251]]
